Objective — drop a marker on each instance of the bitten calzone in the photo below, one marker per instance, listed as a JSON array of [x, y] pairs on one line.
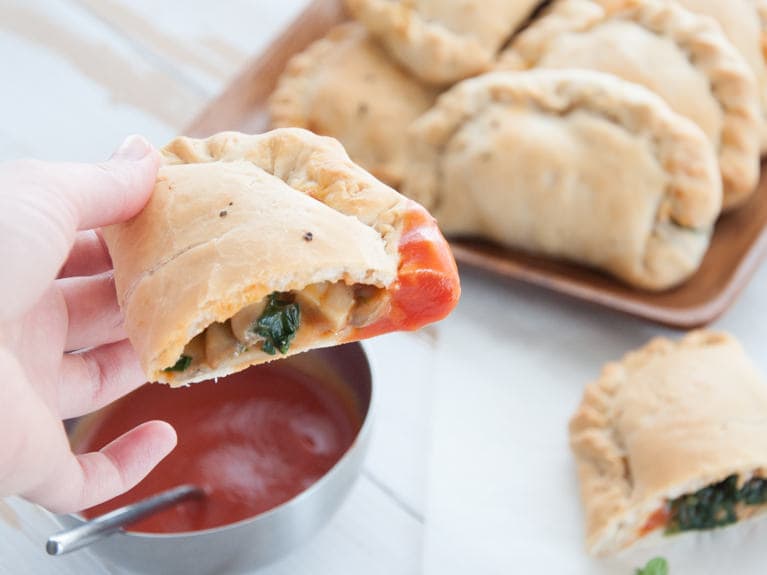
[[256, 247], [672, 438]]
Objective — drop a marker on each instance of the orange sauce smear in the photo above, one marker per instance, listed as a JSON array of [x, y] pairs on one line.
[[253, 440], [427, 286], [657, 520]]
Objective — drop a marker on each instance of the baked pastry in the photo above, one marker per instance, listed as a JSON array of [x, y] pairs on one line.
[[257, 247], [345, 86], [443, 41], [572, 164], [740, 20], [702, 76], [671, 438]]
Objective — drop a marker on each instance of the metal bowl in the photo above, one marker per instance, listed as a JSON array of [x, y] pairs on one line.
[[245, 545]]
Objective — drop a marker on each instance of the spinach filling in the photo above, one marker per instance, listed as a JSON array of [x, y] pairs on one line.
[[712, 506], [715, 505], [754, 491], [183, 362], [278, 323], [277, 326]]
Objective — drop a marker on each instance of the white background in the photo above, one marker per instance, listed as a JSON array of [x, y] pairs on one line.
[[469, 471]]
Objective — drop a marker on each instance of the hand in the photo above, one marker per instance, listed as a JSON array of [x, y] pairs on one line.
[[57, 296]]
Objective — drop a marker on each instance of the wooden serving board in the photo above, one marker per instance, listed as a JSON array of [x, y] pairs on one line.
[[738, 246]]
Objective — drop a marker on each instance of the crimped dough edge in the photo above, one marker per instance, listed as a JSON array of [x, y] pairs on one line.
[[429, 50], [315, 165], [693, 195], [614, 513], [732, 82]]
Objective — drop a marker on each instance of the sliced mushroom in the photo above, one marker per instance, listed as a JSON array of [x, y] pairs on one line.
[[220, 344], [243, 321], [328, 302], [312, 295], [196, 350], [372, 303], [337, 304]]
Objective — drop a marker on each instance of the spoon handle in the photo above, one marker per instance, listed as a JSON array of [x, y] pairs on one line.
[[109, 523]]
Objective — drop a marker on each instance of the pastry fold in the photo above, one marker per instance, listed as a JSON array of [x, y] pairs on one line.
[[255, 247], [683, 57], [671, 438], [744, 22], [345, 86], [570, 164], [442, 41]]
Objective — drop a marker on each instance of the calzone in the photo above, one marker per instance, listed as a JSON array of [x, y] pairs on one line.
[[683, 57], [443, 41], [743, 22], [258, 247], [571, 164], [345, 86], [672, 438]]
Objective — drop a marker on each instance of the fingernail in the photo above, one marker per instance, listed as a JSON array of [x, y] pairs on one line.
[[133, 148]]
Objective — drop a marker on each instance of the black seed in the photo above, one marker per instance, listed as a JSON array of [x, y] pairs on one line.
[[308, 236], [222, 213]]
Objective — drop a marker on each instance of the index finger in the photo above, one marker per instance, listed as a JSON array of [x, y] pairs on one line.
[[77, 482], [89, 256], [42, 205], [108, 192]]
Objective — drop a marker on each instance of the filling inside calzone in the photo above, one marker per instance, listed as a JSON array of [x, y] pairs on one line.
[[271, 324], [258, 247], [715, 505]]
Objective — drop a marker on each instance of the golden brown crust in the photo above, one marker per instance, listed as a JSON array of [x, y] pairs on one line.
[[666, 420], [345, 86], [684, 182], [442, 42], [736, 133], [226, 226]]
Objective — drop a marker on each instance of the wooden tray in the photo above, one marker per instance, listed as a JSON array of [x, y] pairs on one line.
[[739, 243]]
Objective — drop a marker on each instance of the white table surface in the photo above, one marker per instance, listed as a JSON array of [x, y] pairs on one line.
[[469, 471]]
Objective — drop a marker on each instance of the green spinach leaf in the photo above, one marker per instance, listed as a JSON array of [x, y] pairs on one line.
[[754, 491], [278, 323], [183, 362], [712, 506]]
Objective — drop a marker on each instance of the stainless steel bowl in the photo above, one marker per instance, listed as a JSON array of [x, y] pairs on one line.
[[250, 543]]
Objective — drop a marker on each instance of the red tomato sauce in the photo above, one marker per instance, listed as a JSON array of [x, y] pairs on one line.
[[253, 440], [657, 520], [427, 286]]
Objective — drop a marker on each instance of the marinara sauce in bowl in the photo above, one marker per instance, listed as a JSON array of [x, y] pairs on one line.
[[276, 448]]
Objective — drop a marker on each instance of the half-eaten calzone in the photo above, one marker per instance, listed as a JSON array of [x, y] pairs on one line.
[[672, 438], [569, 164], [258, 247]]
